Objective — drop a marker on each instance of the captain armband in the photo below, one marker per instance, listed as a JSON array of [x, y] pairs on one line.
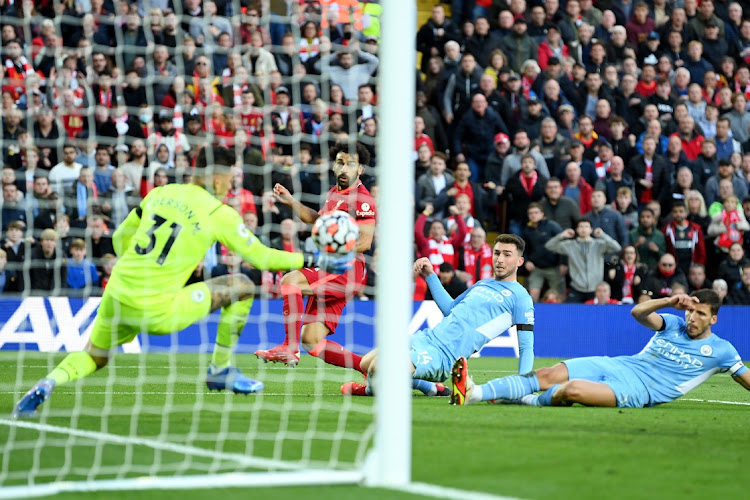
[[525, 328]]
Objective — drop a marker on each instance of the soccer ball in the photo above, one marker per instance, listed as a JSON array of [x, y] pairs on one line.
[[335, 232]]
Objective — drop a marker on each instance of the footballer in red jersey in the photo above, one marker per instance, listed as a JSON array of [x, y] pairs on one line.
[[328, 293]]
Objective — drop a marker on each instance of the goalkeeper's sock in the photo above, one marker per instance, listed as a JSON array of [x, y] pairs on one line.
[[511, 388], [335, 354], [293, 309], [75, 365], [427, 388], [231, 322]]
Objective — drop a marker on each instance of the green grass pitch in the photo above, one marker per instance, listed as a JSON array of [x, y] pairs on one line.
[[686, 449]]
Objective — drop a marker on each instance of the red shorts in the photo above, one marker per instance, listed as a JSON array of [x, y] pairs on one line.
[[331, 292]]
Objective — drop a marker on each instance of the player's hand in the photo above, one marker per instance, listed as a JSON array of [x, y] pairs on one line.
[[282, 194], [334, 263], [683, 302], [423, 267]]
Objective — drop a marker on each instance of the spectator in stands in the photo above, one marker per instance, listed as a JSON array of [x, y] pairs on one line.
[[81, 199], [660, 280], [552, 46], [437, 246], [454, 285], [101, 241], [522, 189], [460, 88], [9, 279], [542, 264], [576, 188], [561, 209], [433, 183], [433, 35], [648, 239], [134, 168], [604, 217], [82, 274], [626, 276], [67, 171], [725, 171], [740, 296], [512, 162], [649, 171], [347, 74], [615, 179], [12, 209], [473, 137], [739, 118], [728, 225], [585, 257], [481, 197], [482, 42], [519, 46], [697, 278], [475, 258], [48, 271], [102, 168], [684, 239], [553, 146], [602, 295], [118, 200]]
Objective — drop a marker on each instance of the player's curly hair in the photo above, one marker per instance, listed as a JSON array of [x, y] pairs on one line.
[[363, 154]]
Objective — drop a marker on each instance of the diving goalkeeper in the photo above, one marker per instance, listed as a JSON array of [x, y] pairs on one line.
[[160, 243]]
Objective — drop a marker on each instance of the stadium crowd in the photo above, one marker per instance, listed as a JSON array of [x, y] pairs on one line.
[[614, 137]]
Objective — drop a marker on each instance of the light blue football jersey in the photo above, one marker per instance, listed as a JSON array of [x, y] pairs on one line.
[[671, 364], [481, 313]]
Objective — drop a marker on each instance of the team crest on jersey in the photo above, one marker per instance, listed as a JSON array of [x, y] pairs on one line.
[[507, 293], [706, 350], [198, 296]]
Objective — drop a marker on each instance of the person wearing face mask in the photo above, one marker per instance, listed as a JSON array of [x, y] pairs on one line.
[[660, 280]]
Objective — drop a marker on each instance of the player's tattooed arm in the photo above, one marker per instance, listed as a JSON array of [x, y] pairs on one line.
[[228, 289]]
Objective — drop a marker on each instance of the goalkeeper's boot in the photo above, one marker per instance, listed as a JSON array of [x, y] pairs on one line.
[[442, 390], [462, 382], [26, 408], [354, 389], [279, 354], [231, 378]]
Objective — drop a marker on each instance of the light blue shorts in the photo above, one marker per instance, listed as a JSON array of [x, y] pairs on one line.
[[628, 388], [430, 361]]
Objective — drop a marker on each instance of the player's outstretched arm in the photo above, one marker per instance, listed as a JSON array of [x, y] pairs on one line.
[[306, 214], [645, 312], [743, 379], [122, 236]]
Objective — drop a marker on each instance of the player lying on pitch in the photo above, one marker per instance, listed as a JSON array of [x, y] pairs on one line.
[[160, 244], [682, 354], [478, 315]]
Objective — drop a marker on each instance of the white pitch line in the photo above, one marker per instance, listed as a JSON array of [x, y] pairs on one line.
[[436, 491], [175, 393], [740, 403], [260, 463]]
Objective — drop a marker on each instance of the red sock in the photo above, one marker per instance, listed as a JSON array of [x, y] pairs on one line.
[[293, 310], [335, 354]]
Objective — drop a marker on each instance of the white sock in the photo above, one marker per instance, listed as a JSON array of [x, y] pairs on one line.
[[475, 395]]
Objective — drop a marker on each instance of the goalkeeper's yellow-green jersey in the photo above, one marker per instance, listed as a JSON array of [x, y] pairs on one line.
[[162, 241]]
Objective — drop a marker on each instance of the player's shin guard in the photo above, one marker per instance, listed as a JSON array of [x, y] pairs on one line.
[[231, 322], [75, 365], [335, 354], [293, 310], [510, 388]]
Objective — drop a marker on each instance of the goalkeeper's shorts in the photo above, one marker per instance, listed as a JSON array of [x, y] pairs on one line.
[[118, 323]]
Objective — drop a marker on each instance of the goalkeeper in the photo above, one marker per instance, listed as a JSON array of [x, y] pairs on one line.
[[160, 244]]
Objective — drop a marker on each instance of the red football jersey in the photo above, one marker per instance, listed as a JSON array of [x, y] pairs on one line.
[[356, 200]]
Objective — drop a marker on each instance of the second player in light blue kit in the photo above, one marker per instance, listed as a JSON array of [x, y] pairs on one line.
[[480, 314], [681, 355]]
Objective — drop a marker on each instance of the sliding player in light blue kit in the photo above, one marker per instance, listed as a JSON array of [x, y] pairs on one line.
[[480, 314], [682, 354]]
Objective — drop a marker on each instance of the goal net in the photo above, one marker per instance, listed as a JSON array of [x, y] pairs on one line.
[[142, 86]]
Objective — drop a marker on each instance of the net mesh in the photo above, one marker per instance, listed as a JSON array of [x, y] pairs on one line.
[[90, 77]]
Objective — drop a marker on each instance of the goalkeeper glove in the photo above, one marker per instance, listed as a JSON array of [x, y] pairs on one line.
[[329, 262]]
